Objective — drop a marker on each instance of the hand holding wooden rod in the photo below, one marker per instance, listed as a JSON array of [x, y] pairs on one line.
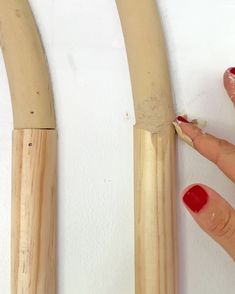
[[33, 260], [154, 144]]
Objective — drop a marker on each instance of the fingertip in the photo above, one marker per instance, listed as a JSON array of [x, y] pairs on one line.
[[204, 204], [229, 82], [213, 214], [195, 197], [191, 130]]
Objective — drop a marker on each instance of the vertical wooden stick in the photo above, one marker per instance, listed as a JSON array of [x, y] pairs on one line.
[[33, 268], [154, 148], [154, 212], [33, 212]]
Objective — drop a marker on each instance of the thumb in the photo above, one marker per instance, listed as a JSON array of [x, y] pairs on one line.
[[213, 214]]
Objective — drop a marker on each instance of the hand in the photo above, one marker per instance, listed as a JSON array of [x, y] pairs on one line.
[[213, 214]]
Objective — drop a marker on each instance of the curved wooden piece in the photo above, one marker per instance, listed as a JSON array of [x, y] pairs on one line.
[[154, 137], [148, 64], [33, 253], [26, 65]]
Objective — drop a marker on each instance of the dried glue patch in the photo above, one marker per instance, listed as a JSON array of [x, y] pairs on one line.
[[182, 135]]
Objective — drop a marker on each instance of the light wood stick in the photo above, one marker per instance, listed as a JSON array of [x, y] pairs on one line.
[[33, 212], [154, 212], [33, 263], [154, 146]]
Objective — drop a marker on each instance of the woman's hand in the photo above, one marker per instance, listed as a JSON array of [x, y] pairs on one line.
[[213, 214]]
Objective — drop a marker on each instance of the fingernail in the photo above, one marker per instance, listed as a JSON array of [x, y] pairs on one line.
[[232, 70], [182, 119], [195, 198]]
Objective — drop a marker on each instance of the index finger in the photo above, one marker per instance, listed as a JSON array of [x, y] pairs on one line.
[[217, 150]]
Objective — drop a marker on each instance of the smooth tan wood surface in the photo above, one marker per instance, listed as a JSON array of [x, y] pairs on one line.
[[155, 258], [148, 63], [155, 242], [26, 65], [33, 264]]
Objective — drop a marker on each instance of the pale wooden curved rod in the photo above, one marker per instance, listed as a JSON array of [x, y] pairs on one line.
[[26, 65], [148, 64]]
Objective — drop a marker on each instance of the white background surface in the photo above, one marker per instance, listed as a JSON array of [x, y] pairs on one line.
[[86, 53]]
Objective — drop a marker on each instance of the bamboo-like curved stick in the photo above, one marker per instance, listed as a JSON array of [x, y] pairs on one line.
[[154, 145], [26, 65], [33, 258]]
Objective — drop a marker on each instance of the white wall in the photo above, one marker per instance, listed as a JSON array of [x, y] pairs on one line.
[[86, 53]]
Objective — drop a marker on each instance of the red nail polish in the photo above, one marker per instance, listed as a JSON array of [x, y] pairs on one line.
[[195, 198], [182, 119], [232, 70]]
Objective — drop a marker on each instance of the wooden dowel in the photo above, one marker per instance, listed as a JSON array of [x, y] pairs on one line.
[[33, 261], [155, 212], [154, 136], [33, 252]]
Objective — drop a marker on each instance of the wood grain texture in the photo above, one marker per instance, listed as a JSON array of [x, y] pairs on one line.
[[33, 267], [155, 212], [26, 65]]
